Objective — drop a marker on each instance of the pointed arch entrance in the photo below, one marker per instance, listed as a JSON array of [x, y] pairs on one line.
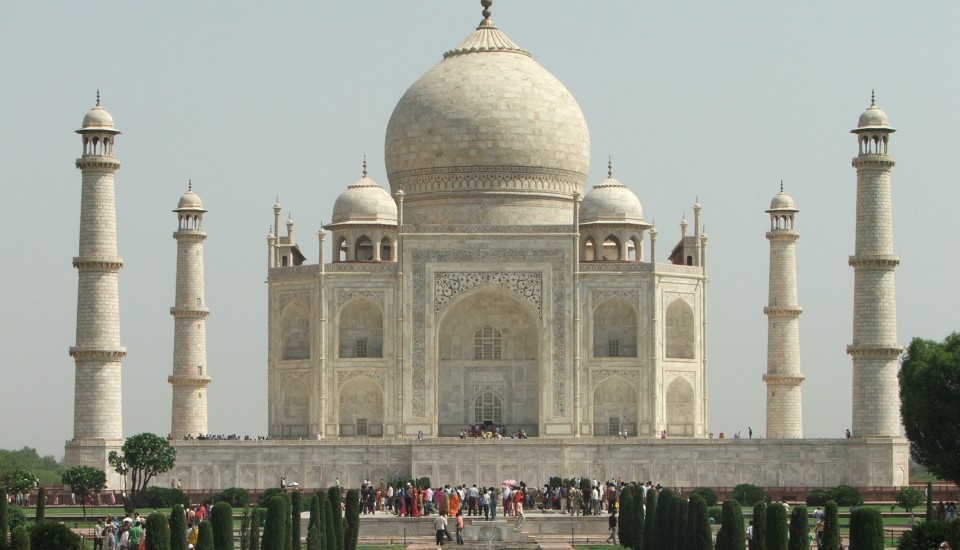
[[488, 367]]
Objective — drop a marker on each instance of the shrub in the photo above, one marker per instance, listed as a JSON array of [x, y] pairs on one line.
[[716, 514], [15, 517], [909, 498], [236, 497], [19, 539], [799, 528], [352, 531], [731, 535], [818, 497], [205, 536], [759, 520], [264, 499], [41, 510], [158, 532], [178, 528], [48, 534], [700, 534], [162, 497], [866, 529], [221, 521], [4, 520], [776, 532], [929, 534], [831, 525], [555, 481], [845, 495], [748, 495], [708, 494], [275, 530]]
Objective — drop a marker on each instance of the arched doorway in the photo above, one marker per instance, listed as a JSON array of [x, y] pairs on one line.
[[615, 407], [361, 408], [488, 367]]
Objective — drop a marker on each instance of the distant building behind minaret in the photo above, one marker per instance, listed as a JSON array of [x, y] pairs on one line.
[[783, 378], [190, 377], [875, 351]]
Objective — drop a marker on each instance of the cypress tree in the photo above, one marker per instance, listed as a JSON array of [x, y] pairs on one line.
[[831, 526], [41, 504], [866, 529], [245, 528], [352, 531], [760, 526], [650, 523], [799, 528], [221, 520], [731, 535], [638, 519], [256, 520], [275, 530], [678, 523], [3, 518], [930, 515], [19, 537], [178, 528], [295, 498], [205, 536], [776, 533], [699, 532], [663, 520], [626, 518], [313, 538], [288, 530], [331, 535], [336, 510], [322, 524], [158, 532], [314, 510]]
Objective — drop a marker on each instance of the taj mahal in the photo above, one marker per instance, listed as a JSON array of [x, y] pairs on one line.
[[487, 284]]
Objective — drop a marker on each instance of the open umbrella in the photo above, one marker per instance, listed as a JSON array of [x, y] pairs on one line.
[[293, 484], [509, 482]]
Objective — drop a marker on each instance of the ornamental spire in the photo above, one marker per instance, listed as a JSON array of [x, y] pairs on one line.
[[487, 22], [364, 165], [610, 166], [98, 97]]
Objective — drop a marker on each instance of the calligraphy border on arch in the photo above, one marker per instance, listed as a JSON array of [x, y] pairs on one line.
[[599, 375], [632, 297], [375, 296], [287, 297], [375, 375], [420, 257], [528, 285]]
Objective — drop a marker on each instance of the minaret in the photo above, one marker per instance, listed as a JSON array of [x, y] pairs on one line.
[[783, 378], [875, 351], [98, 412], [190, 377]]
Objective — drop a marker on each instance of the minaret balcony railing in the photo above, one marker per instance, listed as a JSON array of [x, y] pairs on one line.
[[97, 263], [874, 261], [783, 311], [874, 350], [97, 354], [190, 312], [195, 381], [98, 161]]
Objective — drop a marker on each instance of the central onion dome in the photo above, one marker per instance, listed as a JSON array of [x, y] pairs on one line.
[[487, 136]]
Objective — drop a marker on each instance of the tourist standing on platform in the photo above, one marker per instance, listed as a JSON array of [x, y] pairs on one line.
[[612, 524], [485, 503], [440, 524], [518, 507], [473, 497], [460, 528]]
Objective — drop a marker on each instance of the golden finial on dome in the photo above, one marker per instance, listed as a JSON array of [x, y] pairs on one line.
[[873, 99], [486, 13], [610, 166], [190, 185], [364, 165], [98, 97]]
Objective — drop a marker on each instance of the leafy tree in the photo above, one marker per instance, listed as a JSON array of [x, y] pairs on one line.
[[41, 510], [909, 498], [663, 520], [776, 533], [699, 532], [51, 535], [46, 468], [866, 529], [158, 532], [846, 495], [929, 389], [82, 480], [295, 497], [178, 528], [799, 528], [336, 510], [221, 520], [759, 520], [731, 535], [747, 494], [626, 517], [20, 539], [929, 534], [17, 480], [205, 536], [831, 525], [144, 456], [708, 494], [161, 497], [236, 497], [650, 523], [351, 533]]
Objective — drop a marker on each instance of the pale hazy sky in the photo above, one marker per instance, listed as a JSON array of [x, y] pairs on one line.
[[252, 100]]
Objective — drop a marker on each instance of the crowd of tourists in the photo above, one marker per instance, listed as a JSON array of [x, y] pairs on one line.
[[130, 532], [219, 437]]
